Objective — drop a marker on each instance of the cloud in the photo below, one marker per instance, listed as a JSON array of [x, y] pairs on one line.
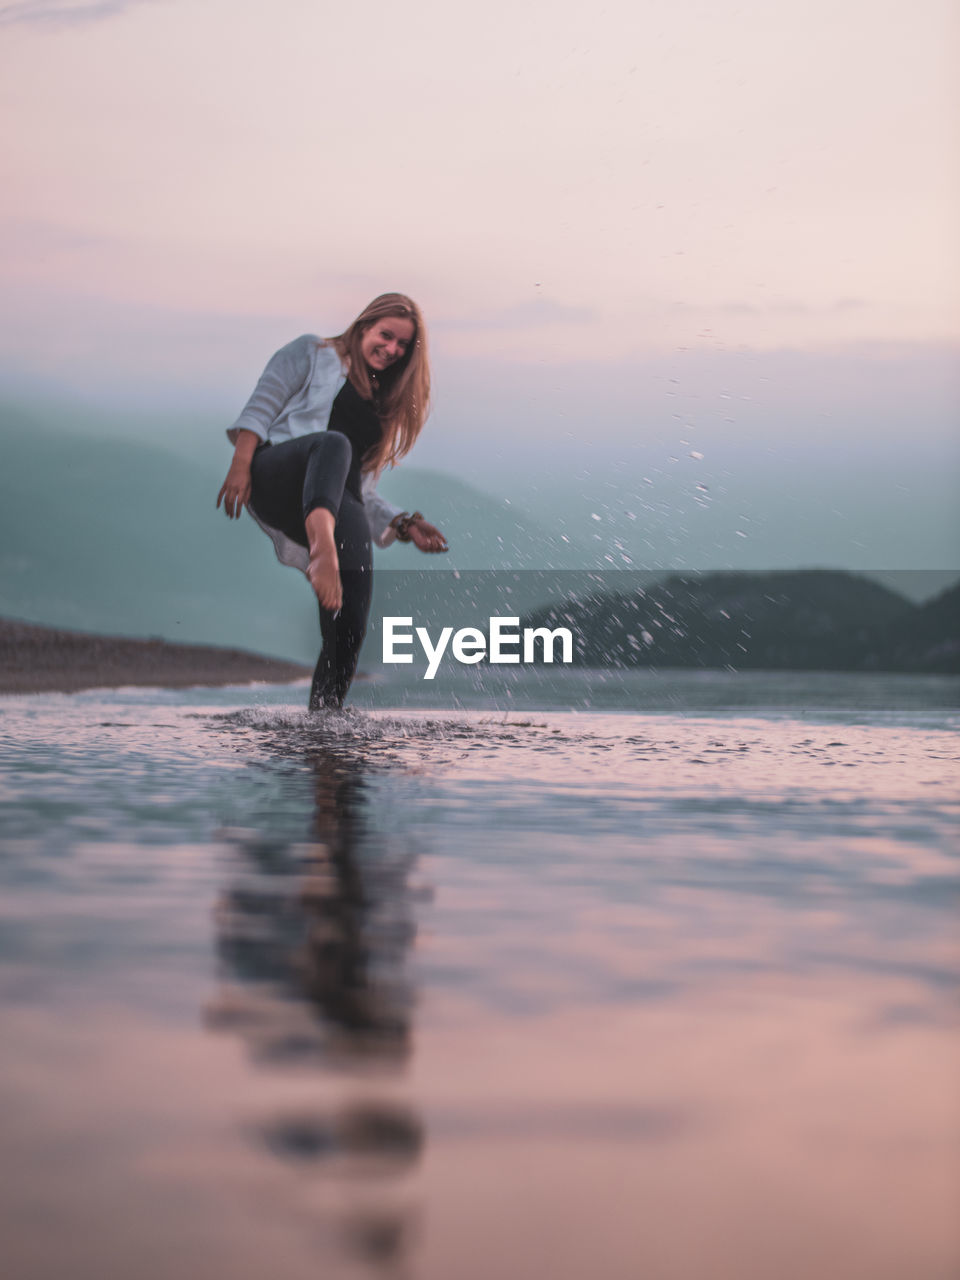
[[524, 315], [64, 11], [790, 308], [29, 238]]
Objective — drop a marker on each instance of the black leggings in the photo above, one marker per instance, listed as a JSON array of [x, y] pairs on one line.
[[290, 480]]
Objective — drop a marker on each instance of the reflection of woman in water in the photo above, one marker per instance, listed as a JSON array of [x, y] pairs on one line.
[[314, 940], [326, 417], [317, 935]]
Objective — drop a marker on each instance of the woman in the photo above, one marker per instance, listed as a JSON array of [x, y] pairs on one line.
[[326, 417]]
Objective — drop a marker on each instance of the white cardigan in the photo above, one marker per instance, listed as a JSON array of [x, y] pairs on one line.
[[294, 397]]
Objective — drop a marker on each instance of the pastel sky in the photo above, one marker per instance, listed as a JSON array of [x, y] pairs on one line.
[[580, 196]]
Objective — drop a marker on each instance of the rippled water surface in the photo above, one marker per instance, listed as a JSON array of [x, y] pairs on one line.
[[491, 991]]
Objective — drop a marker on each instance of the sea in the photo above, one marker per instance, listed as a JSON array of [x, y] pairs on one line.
[[616, 975]]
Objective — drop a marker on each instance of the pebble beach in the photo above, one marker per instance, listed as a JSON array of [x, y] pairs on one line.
[[36, 659]]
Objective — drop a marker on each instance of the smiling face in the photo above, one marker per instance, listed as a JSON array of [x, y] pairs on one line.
[[386, 341]]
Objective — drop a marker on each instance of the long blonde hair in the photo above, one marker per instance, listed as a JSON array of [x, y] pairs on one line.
[[401, 393]]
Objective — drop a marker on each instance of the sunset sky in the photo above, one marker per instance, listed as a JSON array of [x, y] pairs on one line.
[[627, 213]]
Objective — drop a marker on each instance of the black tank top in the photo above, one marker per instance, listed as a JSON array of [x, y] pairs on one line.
[[357, 419]]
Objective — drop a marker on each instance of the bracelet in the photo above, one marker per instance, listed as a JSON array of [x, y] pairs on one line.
[[402, 525]]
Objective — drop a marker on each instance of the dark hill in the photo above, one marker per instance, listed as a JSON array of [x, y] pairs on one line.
[[926, 639], [812, 619]]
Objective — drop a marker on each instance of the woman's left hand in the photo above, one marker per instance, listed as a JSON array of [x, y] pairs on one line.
[[426, 536]]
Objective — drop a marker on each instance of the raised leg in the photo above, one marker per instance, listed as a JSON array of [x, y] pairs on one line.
[[298, 487]]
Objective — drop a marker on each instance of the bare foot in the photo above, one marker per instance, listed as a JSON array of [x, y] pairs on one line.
[[324, 567]]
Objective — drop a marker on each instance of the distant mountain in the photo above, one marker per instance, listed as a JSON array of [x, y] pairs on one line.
[[484, 532], [802, 620], [122, 536], [926, 639]]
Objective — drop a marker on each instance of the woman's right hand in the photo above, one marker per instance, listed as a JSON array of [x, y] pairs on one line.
[[235, 493]]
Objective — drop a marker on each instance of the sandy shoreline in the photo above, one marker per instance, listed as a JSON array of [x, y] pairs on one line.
[[35, 659]]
